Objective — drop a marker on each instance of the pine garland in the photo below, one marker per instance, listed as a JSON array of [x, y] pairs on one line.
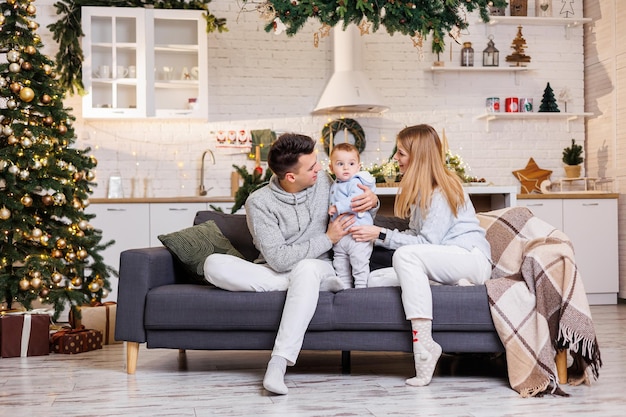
[[413, 18], [67, 32]]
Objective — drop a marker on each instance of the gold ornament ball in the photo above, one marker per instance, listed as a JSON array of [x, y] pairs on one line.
[[30, 50], [27, 66], [24, 284], [47, 200], [27, 201], [48, 120], [14, 67], [70, 257], [2, 19], [31, 9], [37, 233], [62, 129], [82, 254], [56, 277], [12, 140], [32, 25], [5, 213], [46, 99], [61, 243], [83, 224], [47, 69], [45, 291], [15, 87], [44, 240], [13, 55], [94, 287], [57, 253], [77, 281], [11, 104], [27, 94], [35, 282]]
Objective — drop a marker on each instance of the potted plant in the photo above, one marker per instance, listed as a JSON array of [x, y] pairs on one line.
[[572, 158]]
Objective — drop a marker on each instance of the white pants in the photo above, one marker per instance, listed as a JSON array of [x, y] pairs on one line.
[[352, 261], [302, 284], [415, 265]]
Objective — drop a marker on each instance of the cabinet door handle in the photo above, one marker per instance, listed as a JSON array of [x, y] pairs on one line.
[[590, 204], [177, 209], [535, 205], [116, 209]]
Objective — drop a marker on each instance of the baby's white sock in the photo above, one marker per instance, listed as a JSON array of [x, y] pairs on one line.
[[426, 352], [274, 380]]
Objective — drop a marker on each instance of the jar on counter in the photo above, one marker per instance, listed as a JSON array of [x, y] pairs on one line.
[[467, 55]]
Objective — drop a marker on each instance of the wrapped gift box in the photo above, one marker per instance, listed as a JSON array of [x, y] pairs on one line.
[[24, 334], [71, 341], [98, 317]]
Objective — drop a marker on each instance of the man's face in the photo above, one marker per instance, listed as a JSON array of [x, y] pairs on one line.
[[306, 171], [344, 164]]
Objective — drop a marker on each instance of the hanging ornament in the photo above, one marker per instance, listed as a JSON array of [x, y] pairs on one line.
[[27, 201], [13, 55], [279, 26], [46, 99], [15, 88], [47, 200], [36, 233], [5, 213], [35, 282], [31, 9], [24, 174], [56, 277], [30, 50], [32, 25], [7, 130], [45, 291], [2, 19], [14, 67], [24, 284], [48, 120], [27, 94], [27, 66], [82, 254], [11, 104], [13, 169], [47, 69], [62, 129], [94, 287]]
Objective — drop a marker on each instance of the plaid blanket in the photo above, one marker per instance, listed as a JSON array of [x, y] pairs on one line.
[[538, 302]]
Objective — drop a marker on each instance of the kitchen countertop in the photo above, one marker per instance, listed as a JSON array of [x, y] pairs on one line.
[[166, 200], [568, 195]]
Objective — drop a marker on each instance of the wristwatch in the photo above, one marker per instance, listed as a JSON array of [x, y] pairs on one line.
[[383, 234]]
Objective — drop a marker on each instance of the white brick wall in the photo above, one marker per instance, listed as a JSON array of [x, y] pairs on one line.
[[259, 80]]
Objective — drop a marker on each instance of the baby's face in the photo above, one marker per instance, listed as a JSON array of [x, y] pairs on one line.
[[345, 164]]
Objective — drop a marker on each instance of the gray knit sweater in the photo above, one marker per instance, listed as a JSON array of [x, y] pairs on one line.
[[289, 227]]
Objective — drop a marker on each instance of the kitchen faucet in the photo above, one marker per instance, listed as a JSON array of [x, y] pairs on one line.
[[201, 189]]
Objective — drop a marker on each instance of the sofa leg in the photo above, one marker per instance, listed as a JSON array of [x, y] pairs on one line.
[[132, 351], [561, 365], [345, 362]]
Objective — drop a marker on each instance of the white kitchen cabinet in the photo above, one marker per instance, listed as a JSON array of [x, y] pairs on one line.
[[128, 225], [171, 217], [591, 225], [144, 63]]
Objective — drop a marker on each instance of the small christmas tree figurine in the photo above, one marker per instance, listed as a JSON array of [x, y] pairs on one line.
[[519, 45], [48, 250], [548, 101]]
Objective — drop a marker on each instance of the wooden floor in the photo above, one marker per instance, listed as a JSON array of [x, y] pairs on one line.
[[202, 383]]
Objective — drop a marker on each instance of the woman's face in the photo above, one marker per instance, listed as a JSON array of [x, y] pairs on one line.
[[402, 156]]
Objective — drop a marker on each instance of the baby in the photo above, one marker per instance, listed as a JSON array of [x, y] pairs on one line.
[[351, 258]]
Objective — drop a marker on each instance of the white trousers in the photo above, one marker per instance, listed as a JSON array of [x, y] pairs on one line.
[[302, 284], [415, 265], [352, 261]]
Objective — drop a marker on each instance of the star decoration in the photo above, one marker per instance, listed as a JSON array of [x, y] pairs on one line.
[[325, 30], [531, 177], [364, 27]]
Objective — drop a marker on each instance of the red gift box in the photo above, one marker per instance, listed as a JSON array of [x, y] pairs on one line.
[[75, 341], [24, 334]]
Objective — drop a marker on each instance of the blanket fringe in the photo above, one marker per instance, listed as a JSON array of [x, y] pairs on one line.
[[584, 347]]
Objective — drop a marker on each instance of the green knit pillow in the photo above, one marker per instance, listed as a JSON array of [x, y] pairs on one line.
[[191, 246]]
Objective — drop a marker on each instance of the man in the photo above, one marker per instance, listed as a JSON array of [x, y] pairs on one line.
[[288, 220]]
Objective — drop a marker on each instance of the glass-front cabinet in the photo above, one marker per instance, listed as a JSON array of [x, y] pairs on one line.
[[144, 63]]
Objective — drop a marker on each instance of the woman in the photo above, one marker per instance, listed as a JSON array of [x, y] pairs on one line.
[[444, 242]]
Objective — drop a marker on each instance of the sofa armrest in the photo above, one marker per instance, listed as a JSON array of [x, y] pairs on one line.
[[140, 271]]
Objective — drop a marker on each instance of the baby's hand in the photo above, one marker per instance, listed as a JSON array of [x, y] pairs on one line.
[[332, 210]]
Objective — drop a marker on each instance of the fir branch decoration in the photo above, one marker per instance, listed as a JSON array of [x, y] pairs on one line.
[[412, 18], [251, 183], [67, 32]]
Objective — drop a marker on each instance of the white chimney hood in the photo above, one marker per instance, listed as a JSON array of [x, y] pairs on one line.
[[348, 90]]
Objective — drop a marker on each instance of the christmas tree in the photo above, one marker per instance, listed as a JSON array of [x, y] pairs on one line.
[[548, 102], [49, 252]]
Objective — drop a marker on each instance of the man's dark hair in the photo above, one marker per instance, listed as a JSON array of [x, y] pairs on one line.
[[285, 151]]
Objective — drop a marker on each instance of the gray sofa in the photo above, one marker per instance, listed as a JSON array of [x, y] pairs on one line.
[[161, 305]]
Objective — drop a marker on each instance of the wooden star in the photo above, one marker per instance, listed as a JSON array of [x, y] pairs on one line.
[[364, 27], [531, 177]]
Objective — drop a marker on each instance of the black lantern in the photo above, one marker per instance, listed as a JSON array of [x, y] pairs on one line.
[[491, 56]]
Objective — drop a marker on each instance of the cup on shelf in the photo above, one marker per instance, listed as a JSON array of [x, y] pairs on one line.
[[121, 72], [103, 71], [167, 73], [132, 71], [511, 105]]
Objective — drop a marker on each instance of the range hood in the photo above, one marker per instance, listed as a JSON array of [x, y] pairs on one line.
[[348, 90]]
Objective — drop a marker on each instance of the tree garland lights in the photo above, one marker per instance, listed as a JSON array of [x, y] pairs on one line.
[[416, 18]]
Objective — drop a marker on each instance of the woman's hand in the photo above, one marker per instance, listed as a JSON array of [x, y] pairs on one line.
[[338, 228], [365, 233], [364, 202]]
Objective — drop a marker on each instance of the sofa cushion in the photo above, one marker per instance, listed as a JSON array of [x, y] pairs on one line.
[[235, 228], [196, 307], [192, 245]]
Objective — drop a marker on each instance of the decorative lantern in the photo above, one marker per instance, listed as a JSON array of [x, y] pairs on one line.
[[491, 56], [467, 55]]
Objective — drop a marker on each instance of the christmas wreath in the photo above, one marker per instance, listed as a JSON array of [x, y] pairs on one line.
[[329, 132]]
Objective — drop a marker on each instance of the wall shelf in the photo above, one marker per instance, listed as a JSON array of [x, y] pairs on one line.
[[568, 117], [503, 69], [567, 23]]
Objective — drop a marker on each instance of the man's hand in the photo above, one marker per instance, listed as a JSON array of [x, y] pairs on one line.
[[338, 228], [366, 201]]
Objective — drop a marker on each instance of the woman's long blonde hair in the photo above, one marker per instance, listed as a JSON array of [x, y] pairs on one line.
[[425, 172]]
